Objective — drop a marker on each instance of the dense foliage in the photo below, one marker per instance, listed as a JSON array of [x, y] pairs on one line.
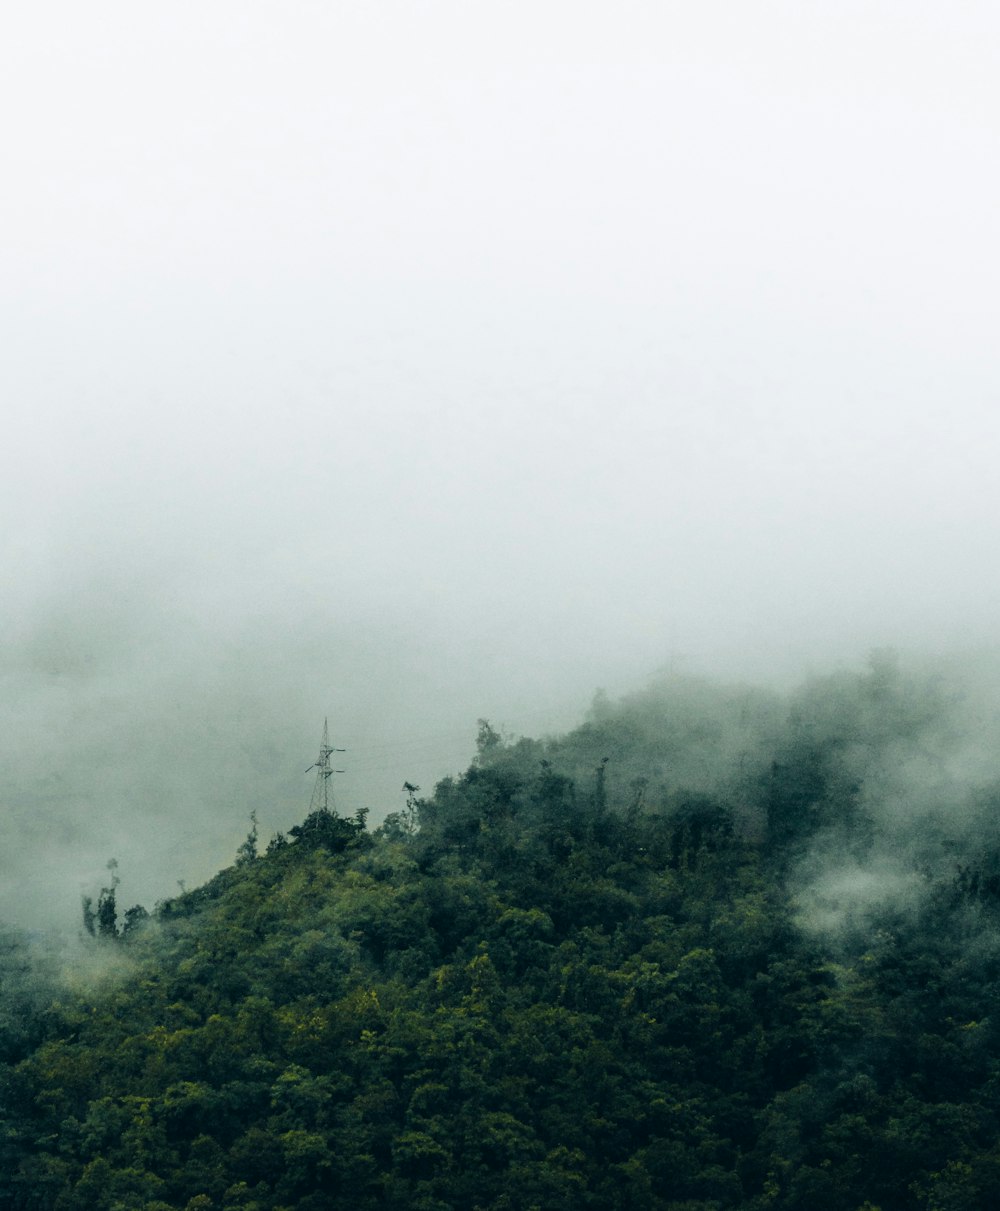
[[605, 971]]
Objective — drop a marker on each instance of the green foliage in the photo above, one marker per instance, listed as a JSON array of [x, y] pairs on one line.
[[247, 852], [325, 830], [574, 976]]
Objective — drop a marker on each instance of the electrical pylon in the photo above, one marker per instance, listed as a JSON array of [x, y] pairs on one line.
[[322, 799]]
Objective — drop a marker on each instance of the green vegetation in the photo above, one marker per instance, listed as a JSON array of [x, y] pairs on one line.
[[694, 956]]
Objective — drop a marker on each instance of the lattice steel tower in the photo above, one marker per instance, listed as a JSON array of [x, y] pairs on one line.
[[322, 798]]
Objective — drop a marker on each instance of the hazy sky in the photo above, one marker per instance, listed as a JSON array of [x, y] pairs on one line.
[[410, 362]]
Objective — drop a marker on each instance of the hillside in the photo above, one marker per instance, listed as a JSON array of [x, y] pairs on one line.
[[714, 950]]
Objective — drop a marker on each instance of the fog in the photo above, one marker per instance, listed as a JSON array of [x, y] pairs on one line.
[[411, 363]]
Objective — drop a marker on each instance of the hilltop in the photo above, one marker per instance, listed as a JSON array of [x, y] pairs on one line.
[[697, 955]]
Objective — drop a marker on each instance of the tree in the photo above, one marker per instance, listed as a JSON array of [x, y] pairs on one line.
[[324, 829], [247, 852], [107, 910]]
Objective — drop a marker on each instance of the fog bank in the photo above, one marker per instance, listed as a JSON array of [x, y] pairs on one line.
[[415, 364]]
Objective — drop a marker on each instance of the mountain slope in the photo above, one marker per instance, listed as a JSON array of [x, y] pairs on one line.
[[543, 986]]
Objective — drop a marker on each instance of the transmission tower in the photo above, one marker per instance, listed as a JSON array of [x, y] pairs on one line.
[[322, 799]]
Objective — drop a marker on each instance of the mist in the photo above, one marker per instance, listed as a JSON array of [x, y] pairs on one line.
[[411, 366]]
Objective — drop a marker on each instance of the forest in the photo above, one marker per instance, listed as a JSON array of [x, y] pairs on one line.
[[716, 949]]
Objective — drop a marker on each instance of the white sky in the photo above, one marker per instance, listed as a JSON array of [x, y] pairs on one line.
[[410, 362]]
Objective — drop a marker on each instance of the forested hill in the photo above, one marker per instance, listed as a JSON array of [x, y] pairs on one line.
[[714, 950]]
